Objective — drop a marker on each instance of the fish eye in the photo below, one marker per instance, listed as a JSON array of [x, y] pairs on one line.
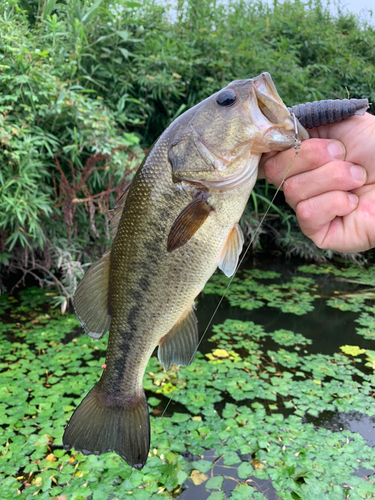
[[226, 98]]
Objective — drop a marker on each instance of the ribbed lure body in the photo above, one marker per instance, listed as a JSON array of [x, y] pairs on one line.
[[318, 113]]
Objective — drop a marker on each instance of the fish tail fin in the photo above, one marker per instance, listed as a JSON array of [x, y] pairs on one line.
[[103, 422]]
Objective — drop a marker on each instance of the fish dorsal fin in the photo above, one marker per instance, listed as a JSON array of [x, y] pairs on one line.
[[229, 256], [91, 298], [180, 344], [188, 222], [116, 213]]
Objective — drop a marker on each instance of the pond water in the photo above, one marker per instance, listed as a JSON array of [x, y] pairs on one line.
[[328, 329], [278, 404]]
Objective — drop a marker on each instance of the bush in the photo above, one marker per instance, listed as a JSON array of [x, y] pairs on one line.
[[63, 156], [83, 85]]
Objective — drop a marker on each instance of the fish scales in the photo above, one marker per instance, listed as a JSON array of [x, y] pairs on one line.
[[172, 228], [150, 313]]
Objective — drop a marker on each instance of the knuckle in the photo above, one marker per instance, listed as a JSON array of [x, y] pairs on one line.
[[337, 173], [308, 149], [320, 243], [314, 151], [276, 166], [290, 187], [271, 169], [304, 211], [339, 200]]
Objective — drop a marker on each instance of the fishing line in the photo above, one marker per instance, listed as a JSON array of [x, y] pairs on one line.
[[297, 145]]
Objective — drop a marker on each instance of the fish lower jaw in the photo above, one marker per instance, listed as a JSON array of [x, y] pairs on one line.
[[278, 139]]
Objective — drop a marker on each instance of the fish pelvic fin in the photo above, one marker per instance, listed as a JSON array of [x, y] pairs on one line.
[[91, 298], [181, 342], [104, 422], [228, 259]]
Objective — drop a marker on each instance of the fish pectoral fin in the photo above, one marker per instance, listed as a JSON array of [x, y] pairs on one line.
[[188, 222], [104, 422], [233, 247], [91, 298], [180, 344]]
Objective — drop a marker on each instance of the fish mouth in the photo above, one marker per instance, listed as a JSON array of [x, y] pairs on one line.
[[269, 101], [271, 116], [277, 130]]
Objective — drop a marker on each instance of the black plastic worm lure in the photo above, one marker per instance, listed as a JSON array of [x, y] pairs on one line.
[[317, 113]]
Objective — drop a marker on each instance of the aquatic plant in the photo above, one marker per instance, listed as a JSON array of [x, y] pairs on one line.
[[249, 292], [240, 419], [359, 299]]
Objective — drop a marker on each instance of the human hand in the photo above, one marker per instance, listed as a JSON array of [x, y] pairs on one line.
[[331, 183]]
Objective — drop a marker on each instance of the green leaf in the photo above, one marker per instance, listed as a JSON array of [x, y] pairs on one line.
[[202, 465], [217, 495], [91, 11], [124, 52], [214, 483], [245, 470], [352, 350], [49, 6], [231, 458]]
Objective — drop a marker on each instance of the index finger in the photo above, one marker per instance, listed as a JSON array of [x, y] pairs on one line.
[[312, 154]]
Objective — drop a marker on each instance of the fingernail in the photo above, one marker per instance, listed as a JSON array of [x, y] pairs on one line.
[[337, 150], [358, 173], [353, 199]]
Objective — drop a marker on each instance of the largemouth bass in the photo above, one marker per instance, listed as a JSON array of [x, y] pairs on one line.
[[175, 224]]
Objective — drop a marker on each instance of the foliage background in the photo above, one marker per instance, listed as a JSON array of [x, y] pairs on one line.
[[86, 87]]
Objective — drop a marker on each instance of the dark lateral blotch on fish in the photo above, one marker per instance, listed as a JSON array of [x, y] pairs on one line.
[[318, 113]]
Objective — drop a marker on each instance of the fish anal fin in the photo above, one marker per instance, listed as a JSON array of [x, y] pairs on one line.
[[91, 298], [188, 222], [116, 213], [181, 342], [102, 423], [228, 259]]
